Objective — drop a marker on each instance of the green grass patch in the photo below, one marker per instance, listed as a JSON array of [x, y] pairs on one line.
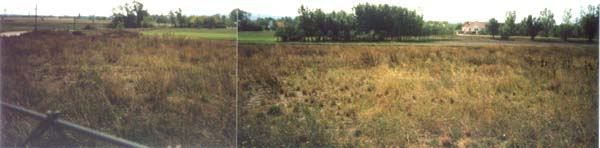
[[257, 37], [194, 33]]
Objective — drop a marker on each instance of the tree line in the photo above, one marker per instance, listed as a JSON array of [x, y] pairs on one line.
[[129, 16], [135, 16], [586, 25], [244, 23], [367, 23]]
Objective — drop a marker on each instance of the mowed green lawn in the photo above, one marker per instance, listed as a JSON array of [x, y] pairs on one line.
[[257, 37], [195, 33]]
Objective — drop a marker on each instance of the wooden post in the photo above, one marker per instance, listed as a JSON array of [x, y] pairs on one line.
[[75, 22]]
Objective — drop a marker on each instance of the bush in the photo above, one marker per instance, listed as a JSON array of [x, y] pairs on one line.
[[117, 24], [89, 27], [394, 60], [288, 33], [566, 31], [368, 59], [274, 111], [111, 56], [77, 32], [505, 32]]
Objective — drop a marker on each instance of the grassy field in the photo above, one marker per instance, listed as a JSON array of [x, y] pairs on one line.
[[174, 86], [229, 34], [157, 91], [257, 37], [25, 24], [481, 95]]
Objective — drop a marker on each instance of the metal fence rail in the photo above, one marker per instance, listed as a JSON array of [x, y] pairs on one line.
[[51, 119]]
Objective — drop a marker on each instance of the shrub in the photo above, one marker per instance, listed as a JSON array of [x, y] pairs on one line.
[[368, 59], [394, 60], [275, 111], [111, 56], [89, 27], [290, 31], [77, 32], [566, 31]]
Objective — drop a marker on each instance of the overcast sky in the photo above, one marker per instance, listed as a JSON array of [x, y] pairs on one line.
[[104, 7], [437, 10]]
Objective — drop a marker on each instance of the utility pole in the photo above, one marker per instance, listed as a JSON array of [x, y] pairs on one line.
[[75, 21], [35, 27]]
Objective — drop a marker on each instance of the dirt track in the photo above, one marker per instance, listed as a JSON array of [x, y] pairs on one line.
[[12, 33]]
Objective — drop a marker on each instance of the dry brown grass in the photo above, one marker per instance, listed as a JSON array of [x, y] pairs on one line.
[[157, 91], [418, 96]]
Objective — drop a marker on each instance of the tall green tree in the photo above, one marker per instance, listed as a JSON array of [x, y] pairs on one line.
[[233, 16], [369, 22], [521, 28], [589, 22], [566, 28], [307, 23], [129, 16], [534, 26], [289, 31], [493, 27], [181, 19], [547, 21], [172, 19], [385, 21], [508, 27], [244, 22], [140, 14], [265, 23]]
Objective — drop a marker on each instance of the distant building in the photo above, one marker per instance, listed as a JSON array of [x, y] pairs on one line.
[[473, 27], [279, 24]]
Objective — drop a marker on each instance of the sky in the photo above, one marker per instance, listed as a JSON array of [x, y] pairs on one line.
[[434, 10], [104, 7]]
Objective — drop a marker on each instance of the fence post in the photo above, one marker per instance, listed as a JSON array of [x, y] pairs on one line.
[[51, 120], [51, 116]]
